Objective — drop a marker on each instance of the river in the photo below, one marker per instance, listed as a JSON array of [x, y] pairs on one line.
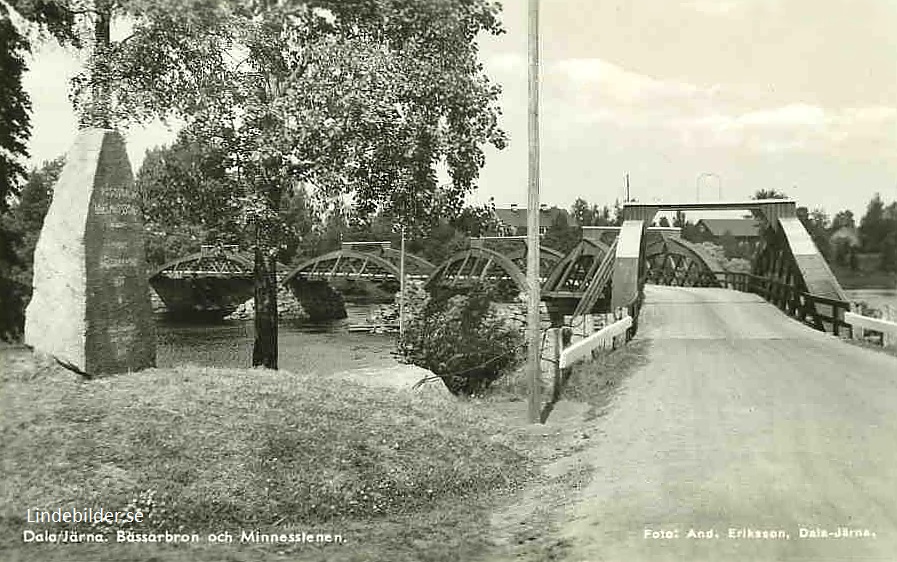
[[322, 347], [319, 347], [875, 298]]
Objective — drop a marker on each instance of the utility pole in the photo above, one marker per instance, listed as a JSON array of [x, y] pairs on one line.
[[533, 350], [626, 178]]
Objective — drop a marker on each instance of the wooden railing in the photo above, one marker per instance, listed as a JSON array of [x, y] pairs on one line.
[[633, 309], [566, 353], [822, 313]]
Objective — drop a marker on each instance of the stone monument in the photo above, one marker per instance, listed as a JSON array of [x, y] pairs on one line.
[[91, 305]]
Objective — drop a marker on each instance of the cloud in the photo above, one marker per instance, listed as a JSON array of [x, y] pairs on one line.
[[714, 7], [590, 92], [506, 63], [609, 80]]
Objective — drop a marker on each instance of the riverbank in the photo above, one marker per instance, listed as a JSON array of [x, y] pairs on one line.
[[306, 348], [396, 474], [864, 280], [399, 475]]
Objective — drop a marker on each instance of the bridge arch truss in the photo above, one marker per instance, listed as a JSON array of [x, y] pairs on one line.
[[669, 260], [350, 264], [476, 264], [212, 282]]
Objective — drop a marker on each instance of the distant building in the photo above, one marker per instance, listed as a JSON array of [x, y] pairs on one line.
[[512, 220], [746, 232]]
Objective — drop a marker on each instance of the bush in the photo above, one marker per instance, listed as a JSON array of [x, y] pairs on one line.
[[467, 339]]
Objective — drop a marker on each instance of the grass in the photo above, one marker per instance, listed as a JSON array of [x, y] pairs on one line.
[[530, 526], [872, 346], [595, 382], [850, 279], [402, 476]]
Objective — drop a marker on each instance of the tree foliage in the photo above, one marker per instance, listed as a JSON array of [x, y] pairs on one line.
[[362, 99], [817, 224], [466, 339], [187, 198], [590, 215], [769, 194], [878, 231], [15, 108], [21, 226], [843, 219]]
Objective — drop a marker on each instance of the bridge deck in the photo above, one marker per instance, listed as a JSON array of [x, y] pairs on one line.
[[743, 418]]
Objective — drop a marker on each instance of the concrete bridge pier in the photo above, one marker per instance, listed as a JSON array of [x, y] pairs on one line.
[[318, 299]]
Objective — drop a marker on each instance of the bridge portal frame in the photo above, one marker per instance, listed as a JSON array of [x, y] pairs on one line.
[[769, 210], [789, 250]]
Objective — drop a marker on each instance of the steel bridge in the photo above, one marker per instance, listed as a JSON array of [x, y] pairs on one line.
[[787, 270], [373, 261], [214, 281], [211, 282], [606, 270], [499, 260], [319, 283]]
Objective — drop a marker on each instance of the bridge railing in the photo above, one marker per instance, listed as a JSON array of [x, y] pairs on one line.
[[633, 309], [566, 352], [823, 313], [885, 328]]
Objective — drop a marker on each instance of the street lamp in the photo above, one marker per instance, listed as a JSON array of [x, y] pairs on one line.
[[719, 184]]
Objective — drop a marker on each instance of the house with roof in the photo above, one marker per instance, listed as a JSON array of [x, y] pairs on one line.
[[512, 220], [746, 232]]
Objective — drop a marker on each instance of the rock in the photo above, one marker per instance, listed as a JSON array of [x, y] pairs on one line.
[[91, 304], [400, 377]]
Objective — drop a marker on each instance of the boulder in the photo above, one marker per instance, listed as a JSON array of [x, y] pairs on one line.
[[91, 303], [400, 377]]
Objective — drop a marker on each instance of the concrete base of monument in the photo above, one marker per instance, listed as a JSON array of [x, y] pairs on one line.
[[91, 307]]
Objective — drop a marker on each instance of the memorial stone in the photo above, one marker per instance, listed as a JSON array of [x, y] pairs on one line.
[[91, 303]]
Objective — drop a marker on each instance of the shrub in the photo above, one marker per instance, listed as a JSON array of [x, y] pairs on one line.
[[467, 339]]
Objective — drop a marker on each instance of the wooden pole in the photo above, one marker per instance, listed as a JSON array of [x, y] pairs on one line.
[[534, 369], [402, 285]]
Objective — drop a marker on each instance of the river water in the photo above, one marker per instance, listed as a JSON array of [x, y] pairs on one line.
[[875, 298], [321, 347], [304, 346]]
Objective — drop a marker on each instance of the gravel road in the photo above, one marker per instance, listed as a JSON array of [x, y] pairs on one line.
[[746, 427]]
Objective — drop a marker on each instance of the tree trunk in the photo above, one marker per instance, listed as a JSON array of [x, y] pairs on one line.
[[264, 349], [99, 112]]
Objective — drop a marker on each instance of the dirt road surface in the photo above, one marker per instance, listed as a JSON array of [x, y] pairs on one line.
[[744, 422]]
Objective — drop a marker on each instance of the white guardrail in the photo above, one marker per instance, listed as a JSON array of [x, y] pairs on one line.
[[584, 348], [887, 328]]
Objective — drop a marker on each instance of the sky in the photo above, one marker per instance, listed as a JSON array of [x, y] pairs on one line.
[[694, 99]]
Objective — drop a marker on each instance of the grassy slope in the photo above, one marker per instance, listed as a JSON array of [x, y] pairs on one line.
[[402, 476], [595, 382]]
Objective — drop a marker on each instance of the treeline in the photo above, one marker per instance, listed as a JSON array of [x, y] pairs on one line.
[[20, 226], [843, 242], [187, 202]]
